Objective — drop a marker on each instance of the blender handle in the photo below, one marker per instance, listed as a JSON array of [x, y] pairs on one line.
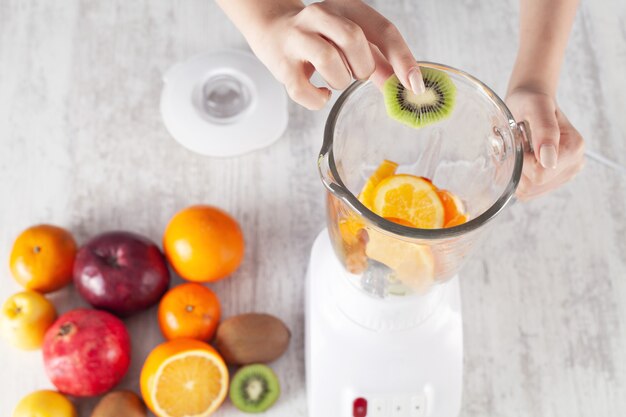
[[527, 147], [527, 137]]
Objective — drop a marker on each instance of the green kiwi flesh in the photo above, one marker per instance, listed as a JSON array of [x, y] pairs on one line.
[[254, 388], [414, 110]]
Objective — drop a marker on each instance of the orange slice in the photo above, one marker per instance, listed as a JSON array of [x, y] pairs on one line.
[[452, 205], [349, 228], [184, 378], [409, 198], [384, 170], [399, 221], [413, 264], [458, 220]]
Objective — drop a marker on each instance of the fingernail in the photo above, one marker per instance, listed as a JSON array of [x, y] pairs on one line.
[[416, 81], [547, 156]]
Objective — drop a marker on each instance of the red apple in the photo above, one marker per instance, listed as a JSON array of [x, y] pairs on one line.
[[86, 352], [121, 272]]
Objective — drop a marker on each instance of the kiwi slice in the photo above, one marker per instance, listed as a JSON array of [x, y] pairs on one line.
[[418, 110], [254, 388]]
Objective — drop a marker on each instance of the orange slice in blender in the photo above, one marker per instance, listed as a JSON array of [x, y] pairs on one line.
[[412, 263], [411, 199], [399, 221], [458, 220], [452, 205], [384, 170], [349, 228]]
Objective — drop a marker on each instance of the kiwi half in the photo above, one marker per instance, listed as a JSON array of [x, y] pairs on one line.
[[418, 110], [254, 388]]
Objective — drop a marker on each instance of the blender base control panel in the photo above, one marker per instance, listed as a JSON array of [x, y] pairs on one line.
[[390, 406]]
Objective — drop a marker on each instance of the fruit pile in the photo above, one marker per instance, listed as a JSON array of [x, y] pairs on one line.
[[87, 351], [408, 200]]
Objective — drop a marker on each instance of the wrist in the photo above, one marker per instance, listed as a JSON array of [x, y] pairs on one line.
[[530, 86], [527, 77], [253, 18], [266, 19]]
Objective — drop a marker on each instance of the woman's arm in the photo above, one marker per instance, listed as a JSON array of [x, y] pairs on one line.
[[558, 147], [544, 30]]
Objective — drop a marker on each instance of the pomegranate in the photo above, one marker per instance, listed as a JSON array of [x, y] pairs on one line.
[[86, 352]]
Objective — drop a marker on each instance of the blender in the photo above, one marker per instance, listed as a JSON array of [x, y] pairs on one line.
[[383, 319]]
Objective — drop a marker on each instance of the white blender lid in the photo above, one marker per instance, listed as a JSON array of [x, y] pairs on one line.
[[223, 104]]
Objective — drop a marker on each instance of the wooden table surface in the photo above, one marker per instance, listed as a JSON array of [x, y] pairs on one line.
[[83, 146]]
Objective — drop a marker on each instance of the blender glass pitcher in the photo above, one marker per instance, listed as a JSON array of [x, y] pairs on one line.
[[476, 153]]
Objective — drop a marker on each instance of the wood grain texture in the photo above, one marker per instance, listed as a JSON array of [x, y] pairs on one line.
[[83, 146]]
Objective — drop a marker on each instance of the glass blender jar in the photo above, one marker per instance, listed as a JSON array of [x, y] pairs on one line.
[[383, 302], [476, 153]]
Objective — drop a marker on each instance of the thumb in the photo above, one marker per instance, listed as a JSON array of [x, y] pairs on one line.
[[545, 137]]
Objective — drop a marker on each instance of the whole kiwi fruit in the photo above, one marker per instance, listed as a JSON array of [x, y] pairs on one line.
[[122, 403], [252, 338]]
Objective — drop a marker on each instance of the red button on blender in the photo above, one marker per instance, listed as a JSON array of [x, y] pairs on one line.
[[359, 408]]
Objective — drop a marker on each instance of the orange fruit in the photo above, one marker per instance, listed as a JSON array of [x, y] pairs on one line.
[[184, 378], [411, 199], [42, 258], [189, 311], [452, 205], [384, 170], [203, 244]]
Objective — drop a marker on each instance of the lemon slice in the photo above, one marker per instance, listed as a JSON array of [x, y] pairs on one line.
[[409, 198]]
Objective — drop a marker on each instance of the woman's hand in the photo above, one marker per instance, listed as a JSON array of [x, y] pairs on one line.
[[558, 147], [341, 39]]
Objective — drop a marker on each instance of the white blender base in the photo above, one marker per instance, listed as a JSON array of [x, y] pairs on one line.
[[354, 371]]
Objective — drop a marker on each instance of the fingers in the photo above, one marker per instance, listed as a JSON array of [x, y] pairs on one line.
[[383, 68], [389, 41], [348, 37], [538, 180], [325, 58], [545, 133], [300, 89], [527, 190]]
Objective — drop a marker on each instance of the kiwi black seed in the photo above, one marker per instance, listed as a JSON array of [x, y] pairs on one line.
[[254, 388], [418, 110]]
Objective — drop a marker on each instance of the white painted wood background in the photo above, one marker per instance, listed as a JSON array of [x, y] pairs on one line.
[[82, 145]]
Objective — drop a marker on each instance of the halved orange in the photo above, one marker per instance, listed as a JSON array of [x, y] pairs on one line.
[[184, 378], [409, 198], [384, 170]]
